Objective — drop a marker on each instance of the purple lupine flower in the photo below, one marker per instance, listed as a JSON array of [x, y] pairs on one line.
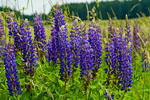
[[128, 32], [82, 30], [127, 72], [107, 58], [53, 45], [95, 42], [65, 55], [112, 50], [145, 62], [136, 40], [59, 21], [2, 34], [2, 40], [121, 30], [28, 50], [60, 38], [110, 29], [111, 58], [111, 62], [11, 70], [13, 31], [120, 55], [49, 47], [115, 52], [109, 97], [110, 55], [40, 37], [86, 62], [75, 41], [119, 58], [86, 59]]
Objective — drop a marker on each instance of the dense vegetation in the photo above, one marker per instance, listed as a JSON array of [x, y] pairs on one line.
[[79, 60]]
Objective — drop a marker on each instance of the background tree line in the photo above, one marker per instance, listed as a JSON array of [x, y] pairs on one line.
[[115, 8]]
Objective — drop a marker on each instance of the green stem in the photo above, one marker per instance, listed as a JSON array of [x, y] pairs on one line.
[[31, 85], [144, 87], [17, 98], [65, 84]]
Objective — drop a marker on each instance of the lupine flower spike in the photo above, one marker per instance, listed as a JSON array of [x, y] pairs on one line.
[[28, 50], [119, 58], [65, 55], [2, 41], [86, 62], [11, 70], [127, 74], [136, 40], [145, 62], [49, 50], [53, 46], [95, 42], [62, 44], [111, 58], [14, 32], [2, 34], [59, 21], [75, 41], [40, 37]]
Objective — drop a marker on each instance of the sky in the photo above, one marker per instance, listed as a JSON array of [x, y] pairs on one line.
[[39, 6]]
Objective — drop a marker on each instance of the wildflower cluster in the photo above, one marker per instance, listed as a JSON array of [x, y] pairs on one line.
[[76, 54], [119, 58]]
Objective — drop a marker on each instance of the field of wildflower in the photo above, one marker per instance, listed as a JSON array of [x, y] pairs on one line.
[[74, 60]]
